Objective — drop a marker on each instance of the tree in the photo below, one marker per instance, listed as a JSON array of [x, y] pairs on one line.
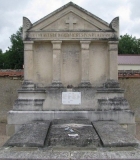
[[1, 59], [129, 45], [13, 57]]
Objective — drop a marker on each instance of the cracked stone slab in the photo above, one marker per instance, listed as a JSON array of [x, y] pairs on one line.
[[76, 133], [112, 134], [30, 135]]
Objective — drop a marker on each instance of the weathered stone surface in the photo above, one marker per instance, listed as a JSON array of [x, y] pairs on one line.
[[122, 117], [111, 84], [29, 85], [44, 154], [28, 104], [53, 99], [71, 121], [117, 103], [112, 134], [78, 133], [30, 135], [71, 61], [85, 85]]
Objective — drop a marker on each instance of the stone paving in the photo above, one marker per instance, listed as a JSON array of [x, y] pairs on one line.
[[69, 152], [50, 153]]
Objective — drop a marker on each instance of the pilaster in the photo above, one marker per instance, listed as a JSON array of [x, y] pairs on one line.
[[28, 60], [85, 63], [113, 59], [56, 63]]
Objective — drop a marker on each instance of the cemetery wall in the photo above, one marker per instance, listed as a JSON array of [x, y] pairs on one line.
[[10, 82], [132, 93]]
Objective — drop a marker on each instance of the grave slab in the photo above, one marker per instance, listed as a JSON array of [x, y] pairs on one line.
[[76, 133], [30, 135], [113, 135]]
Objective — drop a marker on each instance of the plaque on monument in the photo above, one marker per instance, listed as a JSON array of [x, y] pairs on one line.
[[71, 98]]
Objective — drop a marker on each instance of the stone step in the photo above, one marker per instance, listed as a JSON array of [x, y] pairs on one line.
[[123, 116], [30, 135], [113, 135]]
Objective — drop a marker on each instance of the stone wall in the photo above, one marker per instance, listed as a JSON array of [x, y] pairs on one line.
[[8, 93], [132, 93]]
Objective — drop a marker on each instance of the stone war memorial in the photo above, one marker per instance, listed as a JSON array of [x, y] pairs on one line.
[[70, 104]]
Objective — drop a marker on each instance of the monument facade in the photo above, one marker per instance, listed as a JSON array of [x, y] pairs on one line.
[[70, 70]]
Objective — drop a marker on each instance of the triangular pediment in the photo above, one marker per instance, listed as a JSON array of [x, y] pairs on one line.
[[70, 17], [71, 21]]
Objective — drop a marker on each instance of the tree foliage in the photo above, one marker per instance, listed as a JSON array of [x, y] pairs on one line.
[[1, 59], [128, 45], [13, 57]]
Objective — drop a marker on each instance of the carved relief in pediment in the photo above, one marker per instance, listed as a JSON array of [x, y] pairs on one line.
[[71, 21]]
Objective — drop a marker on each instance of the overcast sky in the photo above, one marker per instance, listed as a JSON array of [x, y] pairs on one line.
[[12, 12]]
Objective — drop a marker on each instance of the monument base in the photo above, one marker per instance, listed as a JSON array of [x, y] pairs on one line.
[[125, 118], [56, 102], [71, 139]]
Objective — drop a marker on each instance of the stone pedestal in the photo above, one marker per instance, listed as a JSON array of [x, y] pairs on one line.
[[30, 98]]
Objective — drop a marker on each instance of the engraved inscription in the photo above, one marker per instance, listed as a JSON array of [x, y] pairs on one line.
[[70, 63], [71, 98], [71, 35], [71, 55]]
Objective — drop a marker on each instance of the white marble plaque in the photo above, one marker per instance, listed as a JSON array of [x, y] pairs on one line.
[[71, 98]]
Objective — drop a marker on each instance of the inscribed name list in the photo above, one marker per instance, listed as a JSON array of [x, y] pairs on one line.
[[71, 35], [71, 98]]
